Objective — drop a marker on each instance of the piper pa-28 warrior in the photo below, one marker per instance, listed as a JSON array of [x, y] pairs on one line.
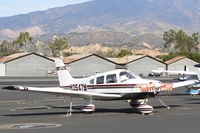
[[193, 89], [113, 85]]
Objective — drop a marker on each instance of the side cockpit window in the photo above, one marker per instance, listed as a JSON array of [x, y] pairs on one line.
[[112, 78], [100, 80], [125, 75]]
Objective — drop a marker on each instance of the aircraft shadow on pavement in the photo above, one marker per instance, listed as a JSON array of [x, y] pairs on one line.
[[164, 107], [35, 114], [174, 94], [76, 110], [195, 103], [192, 100]]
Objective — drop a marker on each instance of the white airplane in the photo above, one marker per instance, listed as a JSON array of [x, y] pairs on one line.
[[193, 89], [112, 85]]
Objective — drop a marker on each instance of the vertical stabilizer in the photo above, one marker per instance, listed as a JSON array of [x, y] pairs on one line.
[[64, 77], [198, 70]]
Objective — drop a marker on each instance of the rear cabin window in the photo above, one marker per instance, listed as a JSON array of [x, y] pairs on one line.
[[112, 78], [92, 81], [100, 80]]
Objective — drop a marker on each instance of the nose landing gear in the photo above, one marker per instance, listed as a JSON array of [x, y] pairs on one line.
[[141, 106]]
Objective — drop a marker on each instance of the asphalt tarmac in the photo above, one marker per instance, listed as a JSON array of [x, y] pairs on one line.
[[19, 110]]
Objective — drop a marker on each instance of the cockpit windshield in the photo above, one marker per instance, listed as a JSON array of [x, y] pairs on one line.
[[125, 75]]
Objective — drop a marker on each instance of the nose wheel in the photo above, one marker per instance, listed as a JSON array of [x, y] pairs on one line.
[[141, 106]]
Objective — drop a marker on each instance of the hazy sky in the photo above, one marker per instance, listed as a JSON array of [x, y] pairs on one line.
[[14, 7]]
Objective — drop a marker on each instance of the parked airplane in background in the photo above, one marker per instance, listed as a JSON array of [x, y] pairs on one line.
[[186, 75], [113, 85]]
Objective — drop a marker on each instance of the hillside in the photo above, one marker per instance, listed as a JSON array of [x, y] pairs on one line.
[[97, 48], [112, 21]]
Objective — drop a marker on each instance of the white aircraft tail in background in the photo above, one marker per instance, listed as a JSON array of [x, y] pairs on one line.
[[112, 85], [198, 70]]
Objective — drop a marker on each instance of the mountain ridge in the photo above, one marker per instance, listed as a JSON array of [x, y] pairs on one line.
[[131, 17]]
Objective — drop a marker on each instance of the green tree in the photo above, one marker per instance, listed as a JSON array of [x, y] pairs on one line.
[[180, 41], [23, 42], [111, 53], [196, 42], [191, 55], [169, 37], [124, 52], [58, 45], [6, 48]]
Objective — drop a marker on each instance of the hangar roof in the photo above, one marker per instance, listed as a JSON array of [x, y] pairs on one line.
[[74, 57], [127, 59], [77, 57], [173, 60], [132, 58], [11, 57], [19, 55]]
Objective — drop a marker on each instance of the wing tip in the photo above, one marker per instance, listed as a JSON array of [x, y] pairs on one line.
[[10, 88]]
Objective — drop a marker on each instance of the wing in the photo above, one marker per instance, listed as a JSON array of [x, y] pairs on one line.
[[171, 86], [66, 92], [176, 72], [166, 86], [185, 83]]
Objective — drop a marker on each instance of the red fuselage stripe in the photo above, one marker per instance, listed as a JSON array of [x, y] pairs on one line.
[[115, 85]]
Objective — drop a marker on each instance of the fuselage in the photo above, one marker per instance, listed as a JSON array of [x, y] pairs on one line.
[[122, 82]]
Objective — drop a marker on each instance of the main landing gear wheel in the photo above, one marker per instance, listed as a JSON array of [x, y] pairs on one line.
[[141, 106], [88, 107]]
